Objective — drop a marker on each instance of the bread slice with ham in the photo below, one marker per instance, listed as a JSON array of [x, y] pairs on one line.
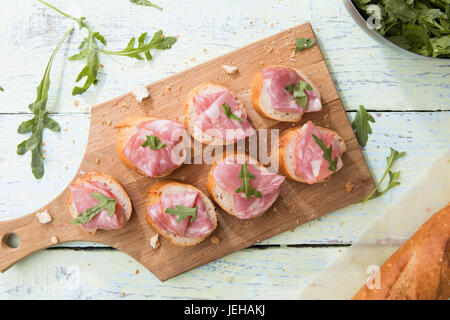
[[225, 182], [82, 197], [301, 158], [208, 122], [272, 100], [166, 195], [159, 159]]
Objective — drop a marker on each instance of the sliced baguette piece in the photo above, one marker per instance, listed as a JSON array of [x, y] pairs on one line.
[[190, 114], [126, 129], [111, 184], [169, 186], [285, 152], [222, 197], [262, 103]]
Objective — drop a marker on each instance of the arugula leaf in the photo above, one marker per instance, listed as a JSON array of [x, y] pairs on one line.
[[299, 92], [226, 108], [159, 41], [103, 203], [183, 212], [40, 121], [246, 189], [303, 44], [153, 142], [146, 3], [421, 26], [327, 153], [1, 89], [393, 176], [361, 125]]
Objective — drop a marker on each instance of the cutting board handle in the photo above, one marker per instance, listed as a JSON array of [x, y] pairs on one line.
[[33, 235]]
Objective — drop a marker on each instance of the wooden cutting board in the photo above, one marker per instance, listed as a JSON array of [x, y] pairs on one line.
[[297, 204]]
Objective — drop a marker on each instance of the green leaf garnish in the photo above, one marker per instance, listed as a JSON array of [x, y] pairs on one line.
[[103, 203], [245, 188], [303, 44], [361, 126], [40, 120], [327, 153], [1, 89], [393, 176], [422, 27], [299, 92], [146, 3], [159, 41], [183, 212], [153, 142], [226, 108]]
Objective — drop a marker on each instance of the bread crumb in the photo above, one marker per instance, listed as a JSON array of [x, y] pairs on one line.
[[214, 239], [229, 279], [137, 271], [54, 240], [123, 294], [124, 105], [44, 217], [154, 241], [109, 122], [101, 65], [204, 50], [140, 93], [348, 186], [76, 103], [230, 69], [97, 161]]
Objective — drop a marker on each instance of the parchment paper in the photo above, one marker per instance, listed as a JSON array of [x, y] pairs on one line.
[[358, 264]]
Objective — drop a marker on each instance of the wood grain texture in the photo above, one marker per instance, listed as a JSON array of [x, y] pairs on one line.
[[297, 204]]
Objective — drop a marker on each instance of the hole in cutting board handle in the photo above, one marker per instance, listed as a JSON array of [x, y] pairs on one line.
[[11, 240]]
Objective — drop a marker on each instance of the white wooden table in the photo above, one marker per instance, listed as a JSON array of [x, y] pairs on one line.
[[410, 99]]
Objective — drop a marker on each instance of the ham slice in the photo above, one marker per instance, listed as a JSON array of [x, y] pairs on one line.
[[310, 164], [226, 175], [200, 226], [276, 79], [212, 119], [155, 162], [81, 196]]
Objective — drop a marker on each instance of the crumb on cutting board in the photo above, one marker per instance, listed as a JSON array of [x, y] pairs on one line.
[[214, 239], [230, 69], [154, 241], [348, 186], [140, 93], [54, 240], [44, 217]]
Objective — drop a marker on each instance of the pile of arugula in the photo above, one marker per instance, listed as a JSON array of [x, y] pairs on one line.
[[420, 26]]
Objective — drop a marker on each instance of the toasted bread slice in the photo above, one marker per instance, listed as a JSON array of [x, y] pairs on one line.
[[285, 153], [222, 197], [153, 197], [190, 114], [127, 129], [111, 184], [263, 104]]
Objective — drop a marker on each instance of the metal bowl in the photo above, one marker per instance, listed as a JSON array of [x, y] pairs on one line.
[[378, 37]]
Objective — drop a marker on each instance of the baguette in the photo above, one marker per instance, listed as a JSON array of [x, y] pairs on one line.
[[262, 102], [126, 130], [420, 268], [153, 197], [285, 153], [111, 184], [190, 114]]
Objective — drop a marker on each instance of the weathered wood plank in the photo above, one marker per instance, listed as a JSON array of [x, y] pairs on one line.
[[423, 135], [365, 72]]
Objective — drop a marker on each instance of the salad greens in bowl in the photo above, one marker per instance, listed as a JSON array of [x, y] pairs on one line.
[[422, 27]]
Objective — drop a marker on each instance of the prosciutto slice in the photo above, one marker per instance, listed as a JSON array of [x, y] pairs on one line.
[[310, 164], [212, 119], [226, 175], [202, 225], [155, 162], [276, 79], [81, 196]]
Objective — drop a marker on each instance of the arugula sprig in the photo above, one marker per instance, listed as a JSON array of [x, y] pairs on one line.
[[393, 176], [361, 125], [40, 121], [245, 188], [183, 212], [1, 89], [146, 3], [299, 92], [153, 142], [327, 153], [227, 109], [103, 203], [92, 44], [303, 44]]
